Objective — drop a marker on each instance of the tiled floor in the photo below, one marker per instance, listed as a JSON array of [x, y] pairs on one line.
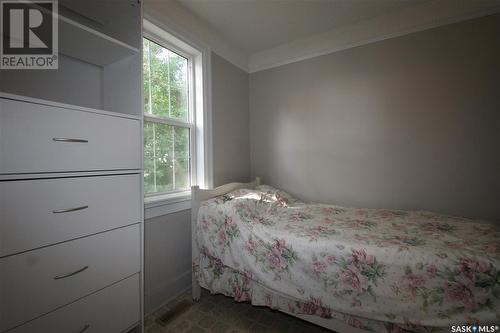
[[222, 314]]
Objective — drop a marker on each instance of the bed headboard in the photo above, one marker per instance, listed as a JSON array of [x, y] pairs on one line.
[[197, 196]]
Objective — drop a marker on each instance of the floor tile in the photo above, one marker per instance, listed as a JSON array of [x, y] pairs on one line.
[[221, 314]]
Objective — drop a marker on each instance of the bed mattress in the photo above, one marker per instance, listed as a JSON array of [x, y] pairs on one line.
[[377, 269]]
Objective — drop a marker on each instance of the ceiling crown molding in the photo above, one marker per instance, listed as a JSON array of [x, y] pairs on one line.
[[412, 19], [183, 23]]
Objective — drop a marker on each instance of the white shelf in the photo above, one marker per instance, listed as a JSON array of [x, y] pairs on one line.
[[81, 42], [67, 106]]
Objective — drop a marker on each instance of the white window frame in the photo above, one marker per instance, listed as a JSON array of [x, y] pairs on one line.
[[199, 119]]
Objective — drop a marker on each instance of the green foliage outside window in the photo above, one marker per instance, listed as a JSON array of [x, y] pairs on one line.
[[166, 147]]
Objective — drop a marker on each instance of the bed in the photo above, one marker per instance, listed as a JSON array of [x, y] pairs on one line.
[[347, 269]]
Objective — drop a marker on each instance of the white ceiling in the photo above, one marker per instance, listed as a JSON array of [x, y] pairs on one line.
[[260, 34], [256, 25]]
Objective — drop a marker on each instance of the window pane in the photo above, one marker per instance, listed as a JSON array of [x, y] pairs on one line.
[[166, 157], [181, 161], [145, 71], [149, 167], [165, 82]]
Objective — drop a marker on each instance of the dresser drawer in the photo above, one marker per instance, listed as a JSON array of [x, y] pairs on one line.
[[37, 138], [111, 310], [35, 213], [36, 282]]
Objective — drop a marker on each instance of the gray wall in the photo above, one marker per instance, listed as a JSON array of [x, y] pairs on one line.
[[411, 122], [168, 238], [230, 122], [167, 265]]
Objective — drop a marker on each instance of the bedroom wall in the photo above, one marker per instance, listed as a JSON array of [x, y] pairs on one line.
[[167, 258], [411, 122], [230, 120], [168, 237]]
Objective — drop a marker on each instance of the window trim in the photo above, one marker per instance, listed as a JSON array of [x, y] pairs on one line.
[[168, 121], [201, 164]]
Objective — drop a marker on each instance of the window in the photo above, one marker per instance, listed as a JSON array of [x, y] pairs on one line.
[[177, 118], [168, 119]]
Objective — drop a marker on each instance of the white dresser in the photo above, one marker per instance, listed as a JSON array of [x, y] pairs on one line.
[[71, 213]]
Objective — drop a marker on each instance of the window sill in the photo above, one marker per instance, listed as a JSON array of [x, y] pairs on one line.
[[164, 204]]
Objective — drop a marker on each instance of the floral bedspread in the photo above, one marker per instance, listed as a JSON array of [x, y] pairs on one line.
[[373, 268]]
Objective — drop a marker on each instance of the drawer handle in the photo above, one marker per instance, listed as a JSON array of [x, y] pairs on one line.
[[70, 140], [70, 274], [67, 210], [85, 328]]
